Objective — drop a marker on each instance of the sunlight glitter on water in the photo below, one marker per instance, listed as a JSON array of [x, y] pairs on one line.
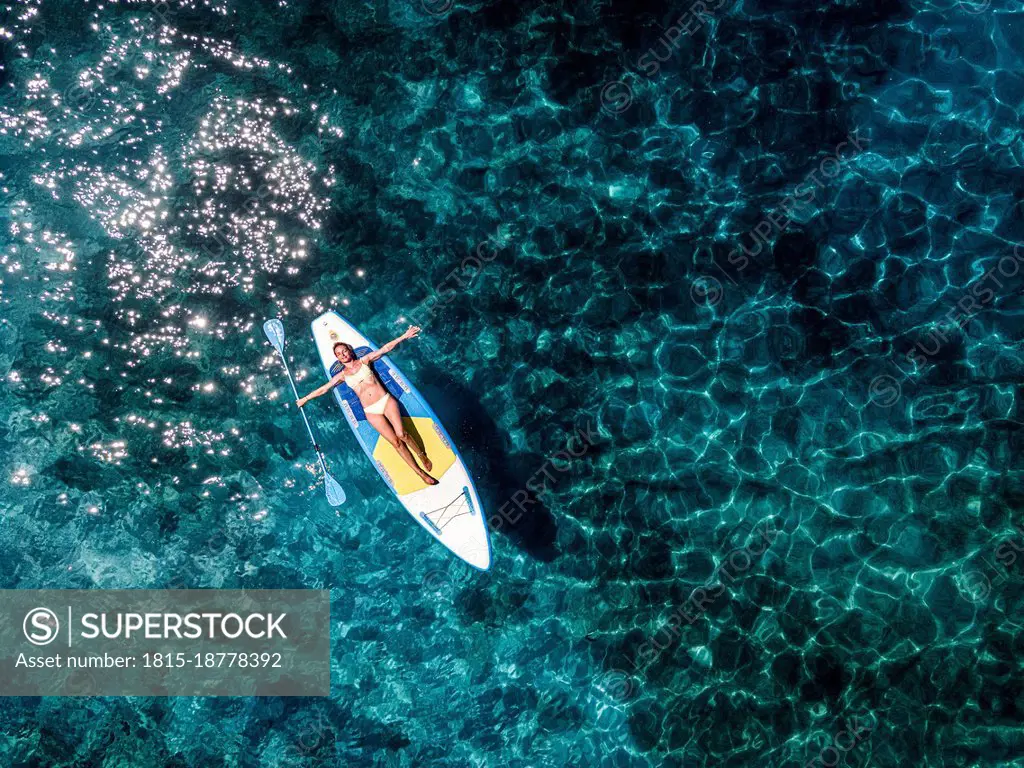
[[216, 203]]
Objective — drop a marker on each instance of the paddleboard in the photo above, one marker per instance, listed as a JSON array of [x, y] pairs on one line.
[[449, 511]]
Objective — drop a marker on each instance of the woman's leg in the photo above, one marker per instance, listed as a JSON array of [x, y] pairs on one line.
[[383, 426], [395, 417]]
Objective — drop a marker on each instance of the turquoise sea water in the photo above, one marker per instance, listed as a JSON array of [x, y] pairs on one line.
[[723, 309]]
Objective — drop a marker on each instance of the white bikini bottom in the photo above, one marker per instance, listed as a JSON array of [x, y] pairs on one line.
[[377, 408]]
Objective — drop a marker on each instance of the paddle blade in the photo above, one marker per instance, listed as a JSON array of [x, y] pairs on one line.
[[275, 333], [335, 493]]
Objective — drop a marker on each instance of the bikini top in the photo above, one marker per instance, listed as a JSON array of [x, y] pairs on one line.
[[362, 374]]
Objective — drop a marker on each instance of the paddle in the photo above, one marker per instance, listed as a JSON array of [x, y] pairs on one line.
[[275, 333]]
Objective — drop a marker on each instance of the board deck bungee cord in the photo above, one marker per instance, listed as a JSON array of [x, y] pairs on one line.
[[449, 511]]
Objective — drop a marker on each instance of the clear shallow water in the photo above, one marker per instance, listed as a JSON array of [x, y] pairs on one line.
[[794, 408]]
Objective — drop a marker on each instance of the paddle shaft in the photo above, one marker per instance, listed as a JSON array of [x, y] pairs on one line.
[[316, 446]]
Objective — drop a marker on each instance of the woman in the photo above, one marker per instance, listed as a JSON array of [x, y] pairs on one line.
[[380, 407]]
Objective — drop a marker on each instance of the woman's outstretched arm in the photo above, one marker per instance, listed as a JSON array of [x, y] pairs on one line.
[[414, 331], [321, 390]]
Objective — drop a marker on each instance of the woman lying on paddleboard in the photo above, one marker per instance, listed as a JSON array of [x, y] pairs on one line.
[[381, 408]]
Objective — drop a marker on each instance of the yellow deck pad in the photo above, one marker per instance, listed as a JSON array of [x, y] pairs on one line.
[[402, 476]]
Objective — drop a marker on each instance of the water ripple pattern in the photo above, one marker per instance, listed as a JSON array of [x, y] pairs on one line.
[[722, 303]]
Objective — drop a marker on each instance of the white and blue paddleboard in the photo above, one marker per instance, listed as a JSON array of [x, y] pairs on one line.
[[449, 511]]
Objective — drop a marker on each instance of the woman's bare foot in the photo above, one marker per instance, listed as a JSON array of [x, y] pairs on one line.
[[427, 479], [420, 453]]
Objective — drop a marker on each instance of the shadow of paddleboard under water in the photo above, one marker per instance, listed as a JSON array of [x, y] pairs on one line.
[[499, 475]]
